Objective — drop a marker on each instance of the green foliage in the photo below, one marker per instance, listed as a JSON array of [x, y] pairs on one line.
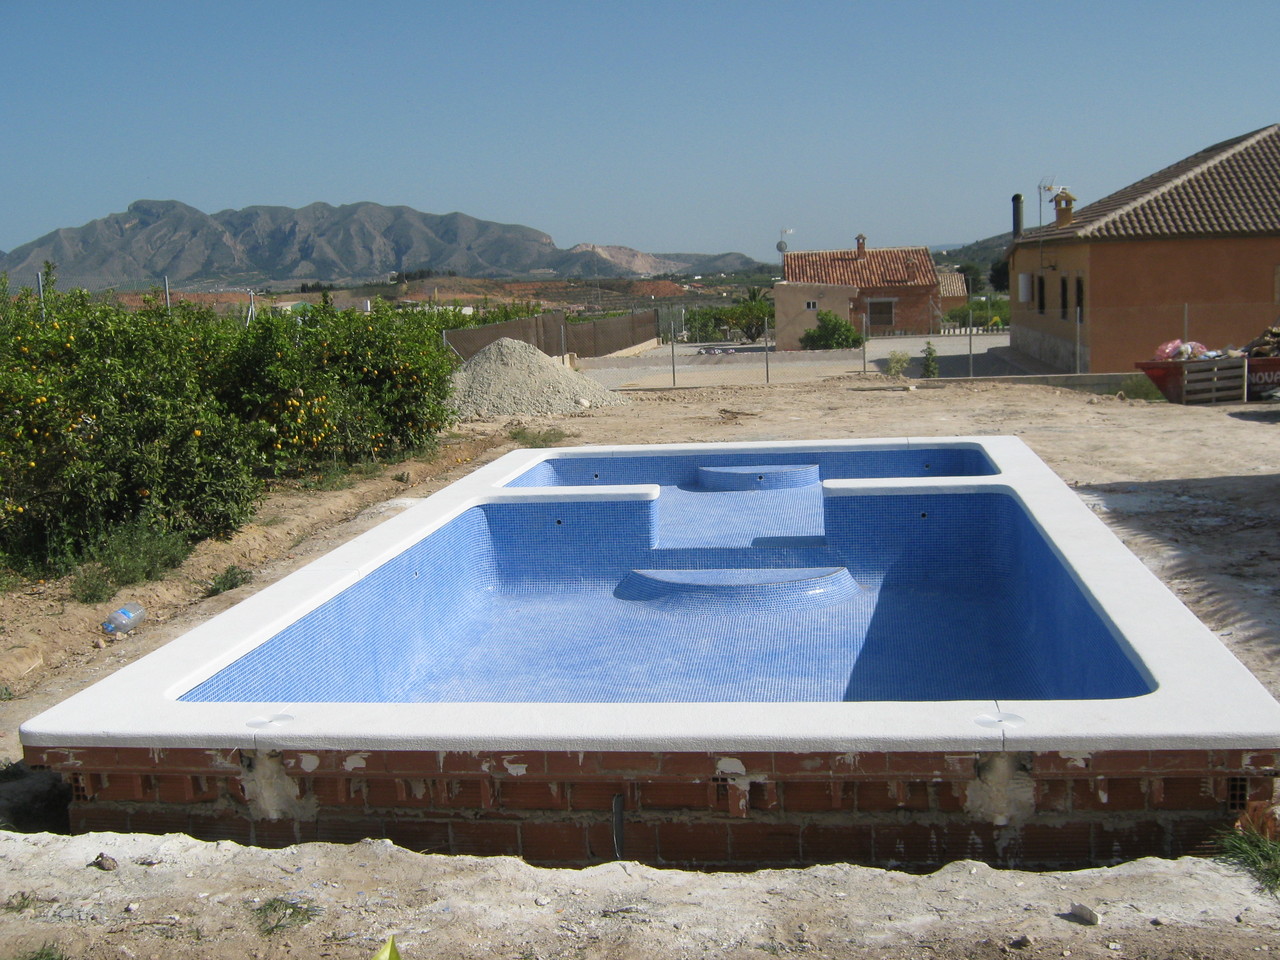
[[994, 312], [228, 579], [749, 316], [930, 367], [528, 437], [704, 324], [501, 312], [833, 332], [92, 583], [9, 579], [1138, 386], [6, 693], [897, 363], [281, 913], [1257, 855], [973, 279], [998, 275], [173, 419], [47, 951], [139, 550]]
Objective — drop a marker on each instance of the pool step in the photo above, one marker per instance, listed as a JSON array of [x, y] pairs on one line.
[[773, 476], [771, 587]]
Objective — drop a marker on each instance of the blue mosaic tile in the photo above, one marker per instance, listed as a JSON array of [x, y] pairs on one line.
[[946, 596]]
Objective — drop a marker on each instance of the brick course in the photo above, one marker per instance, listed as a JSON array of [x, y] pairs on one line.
[[707, 810]]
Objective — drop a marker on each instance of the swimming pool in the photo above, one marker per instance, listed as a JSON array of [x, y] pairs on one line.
[[699, 604]]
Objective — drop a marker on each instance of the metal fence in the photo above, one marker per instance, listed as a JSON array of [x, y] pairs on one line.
[[555, 336]]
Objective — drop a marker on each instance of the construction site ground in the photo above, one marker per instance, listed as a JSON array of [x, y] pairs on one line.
[[1193, 491]]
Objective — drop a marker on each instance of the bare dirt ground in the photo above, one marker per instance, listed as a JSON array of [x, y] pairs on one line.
[[1195, 492]]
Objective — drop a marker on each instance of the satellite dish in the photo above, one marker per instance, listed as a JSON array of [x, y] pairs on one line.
[[782, 246]]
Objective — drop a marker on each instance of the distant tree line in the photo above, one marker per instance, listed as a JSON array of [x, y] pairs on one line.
[[426, 273], [315, 287]]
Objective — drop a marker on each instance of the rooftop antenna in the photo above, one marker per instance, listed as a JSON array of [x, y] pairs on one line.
[[1046, 190]]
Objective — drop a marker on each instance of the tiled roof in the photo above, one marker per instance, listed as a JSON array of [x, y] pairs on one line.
[[877, 267], [1229, 189], [952, 284]]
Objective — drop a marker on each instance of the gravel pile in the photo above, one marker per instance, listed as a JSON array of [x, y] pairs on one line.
[[513, 378]]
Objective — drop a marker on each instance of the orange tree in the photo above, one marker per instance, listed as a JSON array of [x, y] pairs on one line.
[[174, 418]]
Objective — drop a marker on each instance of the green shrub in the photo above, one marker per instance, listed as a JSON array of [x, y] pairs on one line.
[[930, 367], [993, 312], [105, 417], [138, 550], [897, 363], [230, 578], [174, 418], [704, 324], [92, 583], [1256, 854], [833, 332], [529, 437]]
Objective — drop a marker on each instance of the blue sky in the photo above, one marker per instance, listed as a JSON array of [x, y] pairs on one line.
[[665, 126]]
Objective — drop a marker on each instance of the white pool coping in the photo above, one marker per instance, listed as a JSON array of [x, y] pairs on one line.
[[1204, 698]]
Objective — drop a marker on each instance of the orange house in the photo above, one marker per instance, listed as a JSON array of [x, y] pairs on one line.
[[882, 291], [1191, 252]]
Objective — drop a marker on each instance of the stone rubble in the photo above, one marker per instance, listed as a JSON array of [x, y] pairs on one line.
[[510, 378]]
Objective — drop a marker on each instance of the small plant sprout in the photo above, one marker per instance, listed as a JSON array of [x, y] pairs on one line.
[[228, 579], [281, 913]]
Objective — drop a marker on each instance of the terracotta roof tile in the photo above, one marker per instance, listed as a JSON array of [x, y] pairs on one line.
[[1231, 188], [952, 284], [877, 267]]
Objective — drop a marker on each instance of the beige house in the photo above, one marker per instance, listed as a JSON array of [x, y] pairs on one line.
[[879, 290]]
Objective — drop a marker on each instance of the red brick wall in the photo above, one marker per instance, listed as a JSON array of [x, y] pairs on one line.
[[681, 809]]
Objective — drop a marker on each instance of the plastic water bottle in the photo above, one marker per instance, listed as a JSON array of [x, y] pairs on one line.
[[124, 619]]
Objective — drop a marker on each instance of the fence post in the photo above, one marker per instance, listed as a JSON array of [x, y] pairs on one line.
[[766, 349], [970, 343]]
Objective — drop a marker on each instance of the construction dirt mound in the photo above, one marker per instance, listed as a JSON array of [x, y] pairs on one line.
[[510, 378]]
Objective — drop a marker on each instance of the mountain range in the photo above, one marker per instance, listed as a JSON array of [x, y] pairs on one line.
[[353, 243]]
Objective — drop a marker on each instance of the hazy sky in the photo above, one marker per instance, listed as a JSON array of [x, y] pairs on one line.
[[666, 126]]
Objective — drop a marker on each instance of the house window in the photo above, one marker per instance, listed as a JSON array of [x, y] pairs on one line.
[[880, 313], [1040, 293], [1062, 294], [1079, 297], [811, 304]]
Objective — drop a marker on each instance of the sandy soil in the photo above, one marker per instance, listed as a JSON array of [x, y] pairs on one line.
[[1193, 491]]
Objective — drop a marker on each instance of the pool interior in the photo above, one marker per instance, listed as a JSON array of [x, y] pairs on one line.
[[743, 581]]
